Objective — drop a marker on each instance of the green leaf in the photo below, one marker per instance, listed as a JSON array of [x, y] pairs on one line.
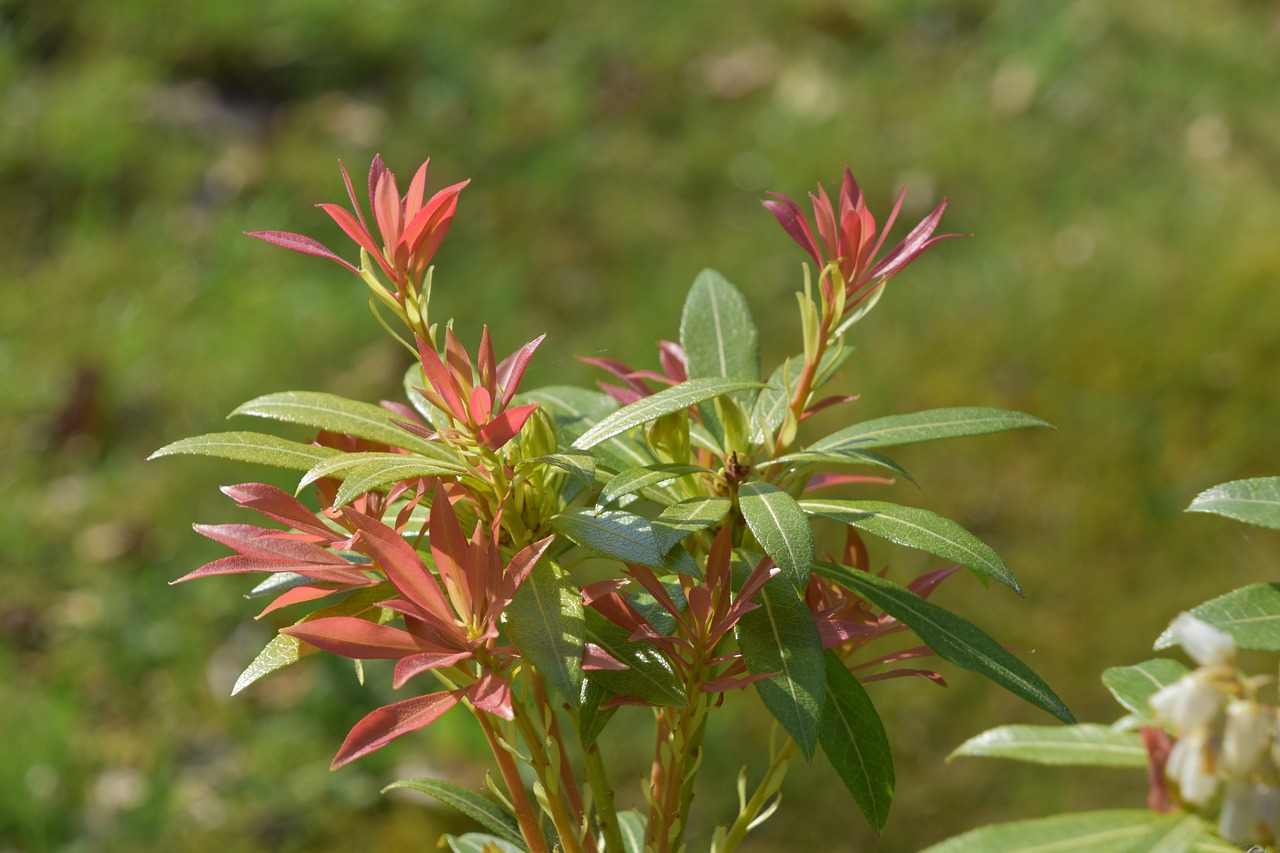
[[673, 399], [545, 622], [780, 637], [771, 405], [924, 426], [482, 810], [250, 447], [917, 528], [648, 677], [838, 457], [365, 472], [636, 479], [282, 651], [687, 517], [1179, 833], [854, 741], [1254, 501], [1112, 831], [622, 536], [335, 414], [579, 463], [631, 825], [576, 410], [1078, 745], [1134, 685], [781, 527], [952, 637], [716, 331], [591, 717], [1251, 615], [476, 842]]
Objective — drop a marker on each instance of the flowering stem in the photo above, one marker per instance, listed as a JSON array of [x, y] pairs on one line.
[[525, 814]]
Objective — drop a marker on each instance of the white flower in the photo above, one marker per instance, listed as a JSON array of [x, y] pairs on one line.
[[1207, 645], [1245, 738], [1191, 767], [1189, 703], [1238, 821]]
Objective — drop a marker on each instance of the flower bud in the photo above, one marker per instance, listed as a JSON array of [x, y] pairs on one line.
[[1191, 768], [1247, 731], [1207, 645], [1189, 703]]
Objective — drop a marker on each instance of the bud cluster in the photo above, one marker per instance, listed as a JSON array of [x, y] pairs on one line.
[[1226, 738]]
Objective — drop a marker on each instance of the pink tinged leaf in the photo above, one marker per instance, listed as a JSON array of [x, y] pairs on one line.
[[297, 595], [897, 657], [888, 224], [445, 397], [835, 632], [480, 405], [416, 429], [251, 540], [279, 505], [624, 396], [827, 402], [487, 364], [621, 371], [822, 481], [416, 192], [511, 369], [376, 169], [354, 638], [351, 194], [699, 604], [300, 243], [392, 721], [671, 357], [387, 210], [401, 564], [356, 231], [924, 585], [325, 573], [912, 245], [599, 589], [617, 610], [505, 426], [518, 569], [825, 219], [492, 693], [644, 576], [791, 218], [935, 677], [450, 551], [411, 665], [459, 363], [725, 683], [596, 658], [426, 229]]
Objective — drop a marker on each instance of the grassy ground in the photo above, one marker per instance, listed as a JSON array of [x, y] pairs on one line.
[[1118, 165]]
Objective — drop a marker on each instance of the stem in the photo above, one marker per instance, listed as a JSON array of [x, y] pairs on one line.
[[759, 799], [602, 795], [564, 822], [525, 814]]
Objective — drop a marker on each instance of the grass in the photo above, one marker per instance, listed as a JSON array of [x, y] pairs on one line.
[[1115, 164]]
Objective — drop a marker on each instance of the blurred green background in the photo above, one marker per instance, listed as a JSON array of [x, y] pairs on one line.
[[1118, 164]]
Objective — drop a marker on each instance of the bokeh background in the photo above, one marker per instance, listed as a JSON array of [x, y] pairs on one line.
[[1118, 164]]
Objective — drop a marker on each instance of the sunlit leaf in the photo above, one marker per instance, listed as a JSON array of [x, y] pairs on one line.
[[282, 651], [335, 414], [1254, 501], [1251, 615], [952, 637], [1134, 685], [482, 810], [854, 740], [924, 426], [576, 410], [476, 842], [917, 528], [579, 463], [781, 527], [1081, 744], [591, 717], [631, 825], [687, 517], [1115, 831], [717, 332], [251, 447], [365, 472], [674, 399], [546, 624], [636, 479], [649, 676], [838, 457], [622, 536]]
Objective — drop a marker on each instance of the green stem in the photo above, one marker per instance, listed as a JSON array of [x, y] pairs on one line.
[[602, 799], [564, 822], [767, 788], [525, 814]]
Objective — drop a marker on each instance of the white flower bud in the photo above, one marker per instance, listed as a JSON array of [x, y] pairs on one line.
[[1191, 768], [1189, 703], [1206, 645], [1247, 731], [1238, 821]]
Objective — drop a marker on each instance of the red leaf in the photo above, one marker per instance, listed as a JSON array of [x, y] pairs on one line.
[[411, 665], [594, 657], [492, 693], [505, 426], [402, 565], [300, 243], [241, 564], [791, 218], [511, 369], [279, 505], [392, 721], [354, 638]]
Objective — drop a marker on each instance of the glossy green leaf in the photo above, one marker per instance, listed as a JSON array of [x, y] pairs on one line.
[[854, 740], [673, 399], [924, 426], [280, 652], [781, 527], [1255, 501], [649, 676], [1179, 833], [365, 472], [335, 414], [636, 479], [917, 528], [952, 637], [780, 637], [771, 405], [1134, 685], [1112, 831], [250, 447], [476, 842], [482, 810], [838, 457], [1078, 745], [631, 825], [545, 622], [579, 463], [686, 518], [1251, 615], [622, 536], [717, 332], [576, 410], [591, 717]]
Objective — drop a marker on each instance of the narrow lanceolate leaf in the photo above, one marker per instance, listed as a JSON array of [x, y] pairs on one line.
[[847, 456], [674, 399], [952, 637], [576, 410], [364, 472], [282, 651], [1251, 615], [1134, 685], [925, 426], [771, 405], [250, 447], [546, 624], [1079, 745], [717, 332], [482, 810], [781, 527], [579, 463], [335, 414], [631, 825], [686, 518], [1113, 831], [1254, 501], [780, 637], [591, 717], [854, 741], [917, 528], [649, 676], [1179, 833], [637, 479], [477, 842], [622, 536]]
